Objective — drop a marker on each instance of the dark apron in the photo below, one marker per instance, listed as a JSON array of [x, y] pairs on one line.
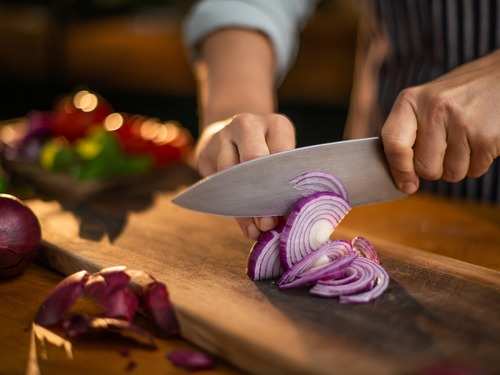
[[405, 43]]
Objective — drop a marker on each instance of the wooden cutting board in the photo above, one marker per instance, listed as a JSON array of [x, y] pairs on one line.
[[437, 310]]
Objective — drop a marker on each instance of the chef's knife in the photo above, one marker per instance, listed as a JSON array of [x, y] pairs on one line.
[[261, 187]]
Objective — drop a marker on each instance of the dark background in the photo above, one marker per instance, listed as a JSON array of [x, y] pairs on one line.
[[131, 52]]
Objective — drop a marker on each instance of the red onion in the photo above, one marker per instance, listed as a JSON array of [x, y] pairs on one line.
[[118, 291], [370, 282], [263, 261], [109, 288], [309, 225], [60, 300], [191, 360], [158, 305], [312, 182], [20, 236], [329, 258], [364, 248]]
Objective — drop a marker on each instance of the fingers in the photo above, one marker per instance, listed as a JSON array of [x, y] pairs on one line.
[[457, 156], [398, 136], [248, 228], [265, 223], [248, 133], [280, 134], [228, 155], [481, 156], [430, 145]]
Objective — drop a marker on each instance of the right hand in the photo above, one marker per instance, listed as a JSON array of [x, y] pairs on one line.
[[245, 137]]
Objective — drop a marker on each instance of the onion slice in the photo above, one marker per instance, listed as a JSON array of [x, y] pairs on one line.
[[328, 260], [369, 282], [309, 225], [263, 260], [364, 248], [312, 182]]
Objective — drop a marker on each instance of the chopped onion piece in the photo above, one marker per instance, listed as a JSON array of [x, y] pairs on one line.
[[263, 261], [363, 281], [364, 248], [157, 303], [339, 255], [309, 225], [313, 182], [191, 360], [60, 300]]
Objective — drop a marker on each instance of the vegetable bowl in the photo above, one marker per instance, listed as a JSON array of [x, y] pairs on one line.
[[82, 146]]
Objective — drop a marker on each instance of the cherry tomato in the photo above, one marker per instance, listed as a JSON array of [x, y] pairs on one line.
[[74, 115]]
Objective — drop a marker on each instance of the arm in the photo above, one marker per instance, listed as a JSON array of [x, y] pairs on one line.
[[241, 48], [236, 82]]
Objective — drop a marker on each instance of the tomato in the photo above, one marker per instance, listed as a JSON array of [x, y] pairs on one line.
[[74, 115]]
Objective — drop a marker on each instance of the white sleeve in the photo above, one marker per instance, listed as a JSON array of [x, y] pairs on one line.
[[280, 20]]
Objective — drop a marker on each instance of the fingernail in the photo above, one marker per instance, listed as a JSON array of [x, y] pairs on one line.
[[252, 231], [266, 223], [408, 187]]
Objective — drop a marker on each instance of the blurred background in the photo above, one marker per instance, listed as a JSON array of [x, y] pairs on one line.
[[131, 52]]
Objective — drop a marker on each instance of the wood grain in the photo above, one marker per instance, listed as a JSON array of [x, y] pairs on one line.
[[435, 309]]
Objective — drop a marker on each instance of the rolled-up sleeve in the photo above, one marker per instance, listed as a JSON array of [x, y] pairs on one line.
[[280, 20]]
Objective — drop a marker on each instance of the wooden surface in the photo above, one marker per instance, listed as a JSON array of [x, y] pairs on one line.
[[436, 309], [20, 300]]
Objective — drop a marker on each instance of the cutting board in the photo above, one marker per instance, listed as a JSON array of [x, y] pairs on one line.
[[437, 310]]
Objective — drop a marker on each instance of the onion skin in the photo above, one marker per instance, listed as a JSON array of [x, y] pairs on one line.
[[191, 360], [295, 240], [20, 236]]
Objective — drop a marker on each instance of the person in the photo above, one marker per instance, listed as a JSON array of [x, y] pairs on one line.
[[427, 80]]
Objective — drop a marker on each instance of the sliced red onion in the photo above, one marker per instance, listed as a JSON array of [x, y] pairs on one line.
[[122, 303], [312, 182], [309, 225], [109, 288], [329, 259], [364, 248], [157, 304], [60, 300], [263, 261], [191, 360], [369, 282]]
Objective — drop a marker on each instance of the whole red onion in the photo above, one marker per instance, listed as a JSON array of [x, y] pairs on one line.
[[20, 236]]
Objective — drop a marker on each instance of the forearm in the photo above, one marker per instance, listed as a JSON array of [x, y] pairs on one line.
[[235, 74]]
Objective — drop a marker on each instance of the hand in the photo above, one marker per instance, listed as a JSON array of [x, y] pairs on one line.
[[446, 129], [244, 137]]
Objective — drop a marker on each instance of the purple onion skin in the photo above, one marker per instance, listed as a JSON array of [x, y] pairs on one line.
[[191, 360], [20, 236], [157, 303], [60, 300], [122, 303], [109, 288]]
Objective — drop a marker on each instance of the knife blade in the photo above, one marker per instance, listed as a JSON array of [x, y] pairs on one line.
[[261, 187]]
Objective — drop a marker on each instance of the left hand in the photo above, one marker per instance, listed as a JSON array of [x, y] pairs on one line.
[[446, 129]]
